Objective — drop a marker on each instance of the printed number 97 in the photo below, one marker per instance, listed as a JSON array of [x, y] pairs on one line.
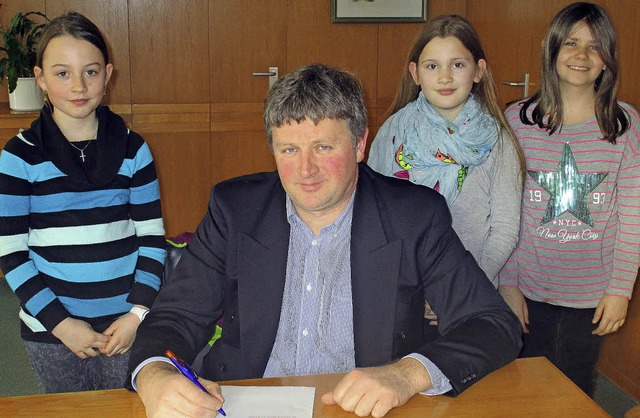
[[599, 198]]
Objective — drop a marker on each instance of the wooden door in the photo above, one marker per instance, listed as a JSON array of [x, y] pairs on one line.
[[512, 33], [246, 37]]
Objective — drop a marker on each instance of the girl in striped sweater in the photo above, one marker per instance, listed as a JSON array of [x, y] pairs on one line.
[[81, 231], [572, 273]]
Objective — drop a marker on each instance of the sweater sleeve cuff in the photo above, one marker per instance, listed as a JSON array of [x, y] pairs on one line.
[[142, 294], [52, 315]]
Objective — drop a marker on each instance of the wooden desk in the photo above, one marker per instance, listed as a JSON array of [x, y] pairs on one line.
[[523, 388]]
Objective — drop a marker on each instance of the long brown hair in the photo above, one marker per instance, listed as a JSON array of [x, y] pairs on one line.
[[484, 92], [548, 114]]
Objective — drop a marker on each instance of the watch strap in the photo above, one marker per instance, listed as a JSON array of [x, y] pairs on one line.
[[139, 312]]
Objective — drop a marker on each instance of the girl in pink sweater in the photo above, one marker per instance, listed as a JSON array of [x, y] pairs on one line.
[[572, 273]]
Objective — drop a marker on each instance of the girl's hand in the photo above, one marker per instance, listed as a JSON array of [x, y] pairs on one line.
[[611, 313], [121, 334], [80, 338], [429, 314], [514, 298]]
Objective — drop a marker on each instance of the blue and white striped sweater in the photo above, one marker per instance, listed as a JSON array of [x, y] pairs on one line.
[[68, 247]]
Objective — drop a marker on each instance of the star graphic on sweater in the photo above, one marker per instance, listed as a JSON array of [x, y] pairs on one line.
[[568, 189]]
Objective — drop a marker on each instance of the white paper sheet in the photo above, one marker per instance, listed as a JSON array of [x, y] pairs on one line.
[[268, 401]]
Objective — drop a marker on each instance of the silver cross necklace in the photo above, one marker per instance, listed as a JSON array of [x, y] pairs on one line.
[[83, 156]]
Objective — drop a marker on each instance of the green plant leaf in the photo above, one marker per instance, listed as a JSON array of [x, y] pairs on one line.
[[20, 45]]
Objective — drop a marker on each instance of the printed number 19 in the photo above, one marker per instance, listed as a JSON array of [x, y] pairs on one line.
[[535, 195]]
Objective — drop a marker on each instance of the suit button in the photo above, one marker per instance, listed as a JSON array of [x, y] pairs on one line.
[[221, 367], [403, 335]]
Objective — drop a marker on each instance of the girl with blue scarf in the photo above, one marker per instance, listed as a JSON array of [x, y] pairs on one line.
[[454, 138]]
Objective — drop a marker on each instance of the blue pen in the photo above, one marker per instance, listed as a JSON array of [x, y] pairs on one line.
[[188, 372]]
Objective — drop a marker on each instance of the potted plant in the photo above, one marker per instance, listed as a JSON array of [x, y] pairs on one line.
[[19, 46]]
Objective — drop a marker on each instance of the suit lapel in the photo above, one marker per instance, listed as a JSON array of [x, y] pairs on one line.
[[375, 264], [262, 263]]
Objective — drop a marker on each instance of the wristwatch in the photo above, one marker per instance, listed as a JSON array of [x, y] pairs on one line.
[[139, 312]]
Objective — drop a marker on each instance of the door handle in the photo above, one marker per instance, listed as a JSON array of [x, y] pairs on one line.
[[525, 84], [272, 74]]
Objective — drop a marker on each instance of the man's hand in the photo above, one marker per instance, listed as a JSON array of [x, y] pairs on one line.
[[514, 298], [611, 313], [376, 390], [121, 333], [80, 338], [166, 393]]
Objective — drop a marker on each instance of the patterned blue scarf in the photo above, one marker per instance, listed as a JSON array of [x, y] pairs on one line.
[[435, 152]]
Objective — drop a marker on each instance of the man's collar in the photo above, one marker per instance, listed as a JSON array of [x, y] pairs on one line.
[[292, 214]]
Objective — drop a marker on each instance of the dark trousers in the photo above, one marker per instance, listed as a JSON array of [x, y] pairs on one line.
[[59, 370], [563, 335]]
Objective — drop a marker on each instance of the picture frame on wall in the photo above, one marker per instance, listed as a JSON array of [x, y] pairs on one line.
[[363, 11]]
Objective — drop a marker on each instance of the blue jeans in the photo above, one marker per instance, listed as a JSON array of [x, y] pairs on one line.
[[59, 370], [563, 335]]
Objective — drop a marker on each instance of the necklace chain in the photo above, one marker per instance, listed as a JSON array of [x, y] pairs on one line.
[[83, 156]]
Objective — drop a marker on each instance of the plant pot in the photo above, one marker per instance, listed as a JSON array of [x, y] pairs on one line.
[[27, 96]]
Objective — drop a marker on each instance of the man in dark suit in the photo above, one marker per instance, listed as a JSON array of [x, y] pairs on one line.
[[323, 266]]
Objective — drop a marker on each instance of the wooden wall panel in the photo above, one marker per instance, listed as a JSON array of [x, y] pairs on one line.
[[184, 177], [229, 117], [5, 136], [113, 20], [626, 16], [394, 43], [169, 48], [170, 117], [238, 153], [178, 135], [311, 37], [441, 7], [246, 37]]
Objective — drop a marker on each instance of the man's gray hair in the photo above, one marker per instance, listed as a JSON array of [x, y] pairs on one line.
[[316, 92]]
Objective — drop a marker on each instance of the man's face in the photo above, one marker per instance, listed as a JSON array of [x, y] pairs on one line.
[[318, 166]]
